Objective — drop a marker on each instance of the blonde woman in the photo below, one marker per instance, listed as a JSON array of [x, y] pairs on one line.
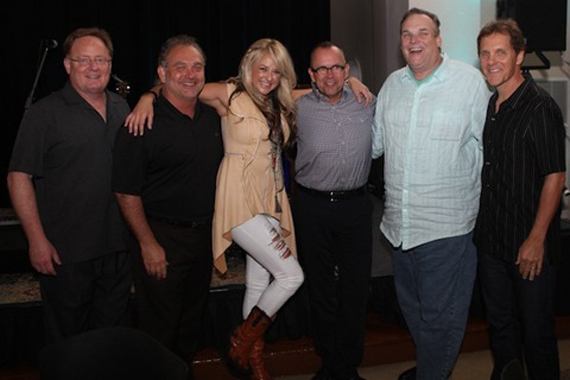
[[252, 209]]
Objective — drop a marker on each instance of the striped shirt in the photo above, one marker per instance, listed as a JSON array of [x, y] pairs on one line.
[[431, 138], [523, 143], [333, 142]]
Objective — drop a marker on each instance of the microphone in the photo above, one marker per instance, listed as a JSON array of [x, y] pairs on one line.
[[48, 45], [51, 44]]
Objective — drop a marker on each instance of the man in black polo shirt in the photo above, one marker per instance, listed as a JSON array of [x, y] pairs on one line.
[[517, 230], [164, 182], [60, 184]]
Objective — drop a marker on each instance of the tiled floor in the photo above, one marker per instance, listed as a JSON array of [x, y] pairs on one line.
[[470, 366]]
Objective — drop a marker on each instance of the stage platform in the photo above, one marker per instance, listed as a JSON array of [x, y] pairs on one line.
[[290, 349]]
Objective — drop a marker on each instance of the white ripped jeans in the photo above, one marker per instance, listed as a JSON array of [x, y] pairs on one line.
[[261, 238]]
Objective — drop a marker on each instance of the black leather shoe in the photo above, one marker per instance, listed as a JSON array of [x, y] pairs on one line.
[[357, 377], [320, 376], [409, 374], [513, 371]]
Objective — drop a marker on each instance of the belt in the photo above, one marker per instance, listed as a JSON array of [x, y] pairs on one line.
[[182, 223], [333, 196]]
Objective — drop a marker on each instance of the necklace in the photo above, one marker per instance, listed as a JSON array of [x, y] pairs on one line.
[[277, 167]]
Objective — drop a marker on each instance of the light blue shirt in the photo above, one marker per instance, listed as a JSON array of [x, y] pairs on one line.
[[430, 134]]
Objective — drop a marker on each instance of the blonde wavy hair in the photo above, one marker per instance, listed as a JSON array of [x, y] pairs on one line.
[[280, 101]]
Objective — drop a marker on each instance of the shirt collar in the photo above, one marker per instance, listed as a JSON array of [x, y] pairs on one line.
[[320, 97], [169, 108], [516, 97], [71, 95], [439, 73]]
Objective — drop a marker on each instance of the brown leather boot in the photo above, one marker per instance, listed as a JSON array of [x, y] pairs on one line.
[[243, 339], [256, 362]]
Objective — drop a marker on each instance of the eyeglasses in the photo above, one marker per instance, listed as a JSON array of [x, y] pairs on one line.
[[86, 61], [335, 69]]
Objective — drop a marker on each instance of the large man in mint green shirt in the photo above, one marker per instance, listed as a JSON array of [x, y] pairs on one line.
[[428, 125]]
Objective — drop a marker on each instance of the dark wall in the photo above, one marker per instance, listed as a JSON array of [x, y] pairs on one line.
[[543, 22], [224, 29]]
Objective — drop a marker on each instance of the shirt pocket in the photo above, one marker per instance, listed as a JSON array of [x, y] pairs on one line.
[[446, 125]]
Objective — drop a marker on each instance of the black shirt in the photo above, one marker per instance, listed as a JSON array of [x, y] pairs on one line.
[[66, 146], [522, 143], [173, 166]]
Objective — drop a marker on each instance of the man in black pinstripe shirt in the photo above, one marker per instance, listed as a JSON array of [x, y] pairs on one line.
[[517, 230]]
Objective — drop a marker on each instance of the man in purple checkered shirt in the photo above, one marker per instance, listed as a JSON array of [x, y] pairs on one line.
[[333, 211]]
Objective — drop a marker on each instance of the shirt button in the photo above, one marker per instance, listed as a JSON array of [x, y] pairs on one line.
[[487, 163]]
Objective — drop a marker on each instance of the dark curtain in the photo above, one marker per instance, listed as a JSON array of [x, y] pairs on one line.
[[224, 29]]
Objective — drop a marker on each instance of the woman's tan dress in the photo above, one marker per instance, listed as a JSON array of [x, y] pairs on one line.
[[247, 183]]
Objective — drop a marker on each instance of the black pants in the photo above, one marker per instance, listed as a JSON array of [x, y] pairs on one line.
[[335, 250], [170, 310], [87, 295], [520, 316]]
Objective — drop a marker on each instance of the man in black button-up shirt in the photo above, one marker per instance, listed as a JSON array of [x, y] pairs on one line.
[[517, 229], [60, 184], [165, 184]]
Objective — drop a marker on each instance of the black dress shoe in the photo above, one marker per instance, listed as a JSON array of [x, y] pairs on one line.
[[321, 375], [357, 377], [409, 374], [513, 371]]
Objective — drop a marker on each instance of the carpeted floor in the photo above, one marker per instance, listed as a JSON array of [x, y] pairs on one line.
[[23, 288]]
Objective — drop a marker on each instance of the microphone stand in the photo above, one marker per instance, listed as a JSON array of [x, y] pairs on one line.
[[38, 73]]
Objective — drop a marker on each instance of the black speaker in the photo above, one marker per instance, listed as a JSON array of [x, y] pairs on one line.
[[543, 22]]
